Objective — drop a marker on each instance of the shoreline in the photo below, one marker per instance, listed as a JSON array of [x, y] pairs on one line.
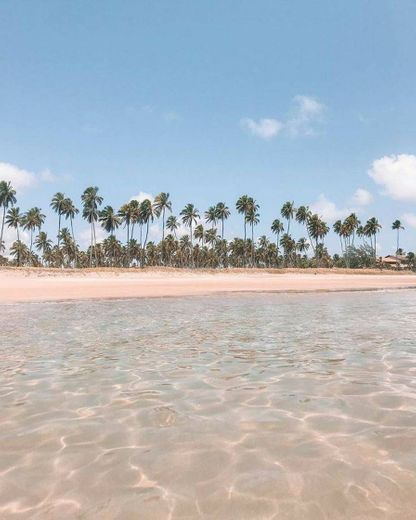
[[45, 284]]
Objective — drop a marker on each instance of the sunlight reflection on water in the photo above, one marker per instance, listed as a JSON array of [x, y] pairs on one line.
[[222, 407]]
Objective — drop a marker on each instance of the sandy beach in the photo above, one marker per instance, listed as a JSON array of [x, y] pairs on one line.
[[53, 284]]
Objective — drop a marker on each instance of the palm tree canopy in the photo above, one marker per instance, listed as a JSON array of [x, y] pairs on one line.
[[109, 219], [13, 217], [162, 203], [190, 215], [7, 194], [397, 225]]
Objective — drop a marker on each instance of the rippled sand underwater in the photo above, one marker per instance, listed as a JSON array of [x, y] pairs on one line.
[[227, 407]]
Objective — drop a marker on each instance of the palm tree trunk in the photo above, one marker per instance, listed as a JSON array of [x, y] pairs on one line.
[[222, 228], [91, 245], [252, 244], [59, 229], [72, 228], [2, 226]]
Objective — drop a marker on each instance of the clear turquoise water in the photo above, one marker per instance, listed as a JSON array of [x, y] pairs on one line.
[[225, 407]]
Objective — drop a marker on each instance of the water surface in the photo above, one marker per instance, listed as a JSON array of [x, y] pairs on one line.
[[299, 407]]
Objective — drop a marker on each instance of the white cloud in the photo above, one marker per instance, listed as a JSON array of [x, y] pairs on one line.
[[263, 128], [361, 197], [409, 219], [328, 210], [21, 178], [397, 175], [142, 196], [18, 177], [307, 112]]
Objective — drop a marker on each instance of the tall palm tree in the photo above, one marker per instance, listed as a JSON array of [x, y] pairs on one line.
[[318, 229], [243, 205], [252, 218], [190, 216], [172, 224], [14, 220], [91, 201], [277, 228], [222, 212], [147, 214], [33, 219], [69, 212], [58, 205], [397, 226], [302, 216], [211, 216], [161, 204], [337, 227], [287, 212], [371, 229], [109, 219], [7, 198]]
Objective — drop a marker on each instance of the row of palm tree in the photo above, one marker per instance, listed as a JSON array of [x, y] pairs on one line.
[[210, 249]]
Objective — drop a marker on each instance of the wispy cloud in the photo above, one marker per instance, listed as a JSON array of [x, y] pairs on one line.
[[306, 114], [263, 128], [409, 219]]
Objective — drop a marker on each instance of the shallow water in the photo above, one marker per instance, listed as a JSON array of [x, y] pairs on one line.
[[298, 407]]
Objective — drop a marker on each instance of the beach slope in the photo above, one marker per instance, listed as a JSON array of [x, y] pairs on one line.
[[54, 284]]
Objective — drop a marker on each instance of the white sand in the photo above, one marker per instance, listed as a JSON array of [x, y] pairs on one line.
[[48, 284]]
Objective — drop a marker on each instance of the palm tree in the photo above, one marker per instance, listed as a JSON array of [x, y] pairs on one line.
[[109, 219], [287, 212], [58, 205], [337, 227], [371, 229], [7, 198], [211, 216], [303, 215], [277, 228], [318, 229], [91, 201], [69, 212], [243, 205], [14, 220], [397, 226], [199, 233], [147, 215], [43, 244], [20, 251], [222, 212], [190, 216], [161, 204], [33, 219], [172, 224], [252, 218]]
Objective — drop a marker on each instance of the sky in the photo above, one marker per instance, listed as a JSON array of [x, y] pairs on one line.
[[208, 100]]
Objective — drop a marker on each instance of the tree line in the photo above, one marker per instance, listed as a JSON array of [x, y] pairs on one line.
[[203, 245]]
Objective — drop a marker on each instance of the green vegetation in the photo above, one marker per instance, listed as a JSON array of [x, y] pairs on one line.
[[203, 244]]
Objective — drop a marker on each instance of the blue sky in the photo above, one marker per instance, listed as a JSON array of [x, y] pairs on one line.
[[212, 99]]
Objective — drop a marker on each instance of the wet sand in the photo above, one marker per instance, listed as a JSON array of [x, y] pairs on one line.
[[54, 284]]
